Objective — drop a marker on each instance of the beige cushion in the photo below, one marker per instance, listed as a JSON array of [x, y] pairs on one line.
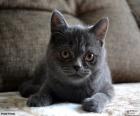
[[135, 9], [123, 39], [42, 5]]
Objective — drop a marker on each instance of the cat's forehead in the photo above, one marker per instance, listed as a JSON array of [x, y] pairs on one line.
[[80, 36], [80, 40]]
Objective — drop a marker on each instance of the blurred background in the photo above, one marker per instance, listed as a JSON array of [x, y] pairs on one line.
[[25, 32]]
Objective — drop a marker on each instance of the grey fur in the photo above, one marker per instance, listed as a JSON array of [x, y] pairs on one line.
[[90, 84]]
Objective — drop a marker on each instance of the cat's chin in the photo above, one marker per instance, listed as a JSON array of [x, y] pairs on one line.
[[75, 78], [80, 74]]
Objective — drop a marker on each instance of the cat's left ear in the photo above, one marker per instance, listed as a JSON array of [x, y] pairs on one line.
[[57, 21], [100, 29]]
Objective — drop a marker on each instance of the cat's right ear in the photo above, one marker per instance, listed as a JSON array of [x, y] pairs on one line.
[[57, 21]]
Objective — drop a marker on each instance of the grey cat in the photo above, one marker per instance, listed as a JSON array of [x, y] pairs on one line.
[[75, 68]]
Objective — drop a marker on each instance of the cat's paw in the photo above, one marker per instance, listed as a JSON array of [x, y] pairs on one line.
[[37, 101], [92, 105]]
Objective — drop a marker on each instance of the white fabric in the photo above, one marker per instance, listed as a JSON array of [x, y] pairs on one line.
[[126, 102]]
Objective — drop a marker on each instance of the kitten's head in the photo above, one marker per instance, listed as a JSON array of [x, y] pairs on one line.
[[76, 52]]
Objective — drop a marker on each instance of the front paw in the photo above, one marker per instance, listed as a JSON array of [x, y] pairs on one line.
[[38, 100], [92, 105]]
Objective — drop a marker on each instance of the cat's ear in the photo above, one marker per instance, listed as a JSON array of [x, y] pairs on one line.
[[100, 29], [57, 21]]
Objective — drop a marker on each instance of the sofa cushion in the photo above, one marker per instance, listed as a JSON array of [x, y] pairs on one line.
[[123, 38], [135, 9], [43, 5]]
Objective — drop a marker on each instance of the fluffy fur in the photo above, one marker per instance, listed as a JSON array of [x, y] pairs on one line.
[[75, 68]]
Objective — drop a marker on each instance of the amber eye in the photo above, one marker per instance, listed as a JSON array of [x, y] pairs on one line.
[[65, 54], [89, 57]]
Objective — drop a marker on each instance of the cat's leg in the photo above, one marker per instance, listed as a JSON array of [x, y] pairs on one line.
[[41, 98], [32, 86], [98, 101], [28, 88]]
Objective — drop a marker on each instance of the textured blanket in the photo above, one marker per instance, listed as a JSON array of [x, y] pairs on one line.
[[125, 103]]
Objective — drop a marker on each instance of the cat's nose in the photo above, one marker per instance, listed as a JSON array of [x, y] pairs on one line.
[[76, 67]]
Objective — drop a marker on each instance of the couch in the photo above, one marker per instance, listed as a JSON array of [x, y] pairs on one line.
[[24, 35]]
